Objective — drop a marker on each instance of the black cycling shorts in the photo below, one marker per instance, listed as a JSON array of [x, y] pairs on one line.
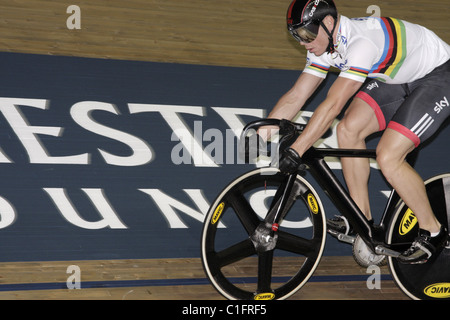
[[416, 109]]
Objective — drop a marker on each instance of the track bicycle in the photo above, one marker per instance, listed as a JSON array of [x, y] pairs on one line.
[[264, 235]]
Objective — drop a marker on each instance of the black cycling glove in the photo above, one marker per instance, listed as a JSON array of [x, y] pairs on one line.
[[290, 161]]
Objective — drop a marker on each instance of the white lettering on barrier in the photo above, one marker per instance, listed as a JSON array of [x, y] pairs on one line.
[[191, 147], [171, 115], [7, 213], [189, 151], [231, 118], [221, 150], [69, 212], [191, 144], [167, 205], [28, 134], [81, 114]]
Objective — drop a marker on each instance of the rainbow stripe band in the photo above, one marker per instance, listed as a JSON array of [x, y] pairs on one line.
[[317, 67], [394, 52], [358, 72]]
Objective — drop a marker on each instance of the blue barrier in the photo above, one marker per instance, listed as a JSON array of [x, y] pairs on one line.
[[105, 159]]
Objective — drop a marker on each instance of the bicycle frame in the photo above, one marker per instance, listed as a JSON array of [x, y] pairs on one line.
[[373, 237], [314, 158], [268, 238]]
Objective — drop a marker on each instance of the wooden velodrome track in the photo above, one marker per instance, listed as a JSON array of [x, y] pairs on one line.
[[247, 33]]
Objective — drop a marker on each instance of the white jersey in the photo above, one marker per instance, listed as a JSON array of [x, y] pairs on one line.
[[388, 49]]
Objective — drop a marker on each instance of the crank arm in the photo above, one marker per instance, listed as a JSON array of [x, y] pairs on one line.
[[342, 237]]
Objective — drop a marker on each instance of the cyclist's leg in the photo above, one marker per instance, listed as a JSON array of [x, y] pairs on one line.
[[417, 119], [391, 153], [432, 237], [358, 123], [368, 113]]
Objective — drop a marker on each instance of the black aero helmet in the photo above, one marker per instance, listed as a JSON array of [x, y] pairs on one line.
[[305, 16]]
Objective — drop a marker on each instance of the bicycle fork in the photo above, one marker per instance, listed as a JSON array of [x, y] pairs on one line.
[[265, 236]]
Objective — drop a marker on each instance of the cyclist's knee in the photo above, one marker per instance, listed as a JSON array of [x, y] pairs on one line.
[[389, 160], [348, 133], [385, 160], [392, 151], [357, 124], [341, 134]]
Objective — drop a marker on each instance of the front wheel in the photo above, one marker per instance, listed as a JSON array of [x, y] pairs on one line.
[[239, 267], [432, 279]]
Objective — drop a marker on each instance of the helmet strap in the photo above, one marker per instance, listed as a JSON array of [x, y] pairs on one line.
[[330, 48]]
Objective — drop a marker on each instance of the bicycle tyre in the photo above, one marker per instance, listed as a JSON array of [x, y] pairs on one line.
[[230, 260], [432, 279]]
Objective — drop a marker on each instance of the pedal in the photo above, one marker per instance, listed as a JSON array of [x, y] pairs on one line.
[[341, 236], [387, 252]]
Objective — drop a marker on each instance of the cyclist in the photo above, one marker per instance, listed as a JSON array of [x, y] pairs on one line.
[[400, 73]]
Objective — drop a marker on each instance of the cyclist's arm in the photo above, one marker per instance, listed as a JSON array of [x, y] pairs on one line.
[[293, 101], [340, 92]]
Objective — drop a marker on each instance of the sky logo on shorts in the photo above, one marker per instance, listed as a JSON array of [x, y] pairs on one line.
[[441, 105], [372, 86]]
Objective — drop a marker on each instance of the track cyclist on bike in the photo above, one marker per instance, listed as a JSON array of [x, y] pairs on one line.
[[398, 75]]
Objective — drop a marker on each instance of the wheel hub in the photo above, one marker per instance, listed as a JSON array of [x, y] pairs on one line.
[[264, 238]]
